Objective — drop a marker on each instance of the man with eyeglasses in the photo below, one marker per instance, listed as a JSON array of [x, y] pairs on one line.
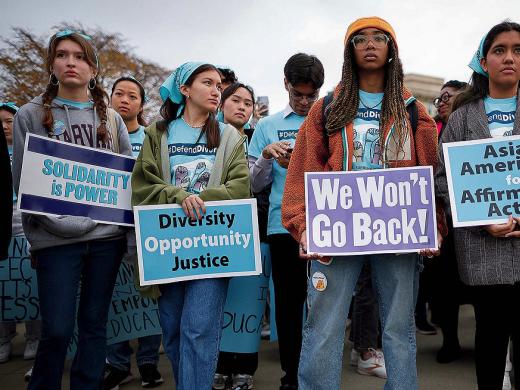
[[269, 154]]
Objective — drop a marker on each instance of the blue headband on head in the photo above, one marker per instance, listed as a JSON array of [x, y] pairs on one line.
[[475, 61], [10, 106], [66, 33], [171, 88]]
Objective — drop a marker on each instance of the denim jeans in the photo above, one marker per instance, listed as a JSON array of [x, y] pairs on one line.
[[120, 354], [59, 271], [191, 316], [394, 280]]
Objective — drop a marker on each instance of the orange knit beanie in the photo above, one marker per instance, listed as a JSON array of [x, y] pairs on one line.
[[371, 21]]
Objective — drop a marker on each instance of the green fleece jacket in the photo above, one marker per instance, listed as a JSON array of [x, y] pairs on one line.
[[151, 177]]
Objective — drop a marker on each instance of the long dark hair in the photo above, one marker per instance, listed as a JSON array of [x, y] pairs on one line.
[[345, 106], [211, 128], [142, 92], [479, 84], [99, 96]]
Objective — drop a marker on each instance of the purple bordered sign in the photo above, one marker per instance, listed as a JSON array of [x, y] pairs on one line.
[[60, 178], [364, 212]]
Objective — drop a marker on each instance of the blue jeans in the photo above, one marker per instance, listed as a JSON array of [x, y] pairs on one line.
[[59, 271], [191, 315], [119, 354], [394, 281]]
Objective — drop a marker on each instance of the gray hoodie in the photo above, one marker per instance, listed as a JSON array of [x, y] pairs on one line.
[[77, 126]]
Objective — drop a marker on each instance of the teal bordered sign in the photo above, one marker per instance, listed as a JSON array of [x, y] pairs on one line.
[[172, 248], [483, 180]]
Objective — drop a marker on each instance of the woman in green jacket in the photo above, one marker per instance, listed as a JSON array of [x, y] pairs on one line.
[[189, 158]]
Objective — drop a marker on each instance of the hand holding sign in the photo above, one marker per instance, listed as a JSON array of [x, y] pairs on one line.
[[504, 229], [193, 207], [303, 250]]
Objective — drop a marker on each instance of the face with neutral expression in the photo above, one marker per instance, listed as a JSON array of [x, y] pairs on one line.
[[205, 91], [70, 65], [6, 117], [238, 108], [370, 46], [126, 100], [502, 61]]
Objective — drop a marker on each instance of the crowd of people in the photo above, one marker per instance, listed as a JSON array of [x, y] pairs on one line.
[[241, 158]]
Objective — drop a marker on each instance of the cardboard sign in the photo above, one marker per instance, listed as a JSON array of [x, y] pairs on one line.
[[171, 247], [377, 211], [483, 180], [60, 178]]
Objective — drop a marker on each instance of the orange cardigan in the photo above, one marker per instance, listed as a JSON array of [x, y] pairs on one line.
[[311, 155]]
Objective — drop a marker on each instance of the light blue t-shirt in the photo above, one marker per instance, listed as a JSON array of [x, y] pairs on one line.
[[190, 159], [367, 138], [136, 140], [72, 103], [500, 115], [275, 128]]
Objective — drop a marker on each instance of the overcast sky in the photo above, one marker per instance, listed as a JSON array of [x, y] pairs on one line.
[[255, 38]]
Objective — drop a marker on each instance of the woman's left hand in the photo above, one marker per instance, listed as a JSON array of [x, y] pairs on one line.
[[193, 207], [430, 252]]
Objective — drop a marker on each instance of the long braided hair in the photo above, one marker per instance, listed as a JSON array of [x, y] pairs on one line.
[[99, 96], [345, 105]]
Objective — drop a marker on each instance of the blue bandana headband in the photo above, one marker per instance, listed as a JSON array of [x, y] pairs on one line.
[[475, 61], [10, 106], [171, 88], [67, 33]]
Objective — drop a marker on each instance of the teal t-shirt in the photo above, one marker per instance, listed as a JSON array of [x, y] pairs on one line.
[[275, 128], [136, 140], [72, 103], [367, 137], [500, 115], [190, 159]]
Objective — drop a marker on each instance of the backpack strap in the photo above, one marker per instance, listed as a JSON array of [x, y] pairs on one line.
[[413, 114], [325, 108]]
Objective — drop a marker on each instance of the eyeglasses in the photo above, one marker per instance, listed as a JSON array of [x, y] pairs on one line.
[[444, 98], [361, 41], [311, 98]]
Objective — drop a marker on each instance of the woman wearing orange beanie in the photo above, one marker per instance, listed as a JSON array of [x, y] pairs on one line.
[[372, 80]]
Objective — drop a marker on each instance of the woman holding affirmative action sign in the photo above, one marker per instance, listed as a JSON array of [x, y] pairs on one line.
[[189, 158], [489, 256], [366, 126], [68, 249]]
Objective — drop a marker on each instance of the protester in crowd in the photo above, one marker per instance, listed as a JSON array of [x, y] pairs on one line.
[[68, 249], [8, 328], [269, 155], [228, 77], [237, 369], [448, 295], [488, 255], [6, 211], [444, 102], [127, 99], [372, 80], [366, 355], [191, 96]]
